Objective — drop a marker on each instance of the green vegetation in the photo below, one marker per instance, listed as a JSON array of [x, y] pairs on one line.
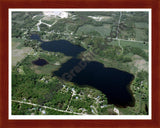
[[22, 22], [49, 20], [141, 25], [102, 30], [43, 27], [141, 34]]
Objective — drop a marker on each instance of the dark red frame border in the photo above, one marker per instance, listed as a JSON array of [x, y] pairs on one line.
[[6, 4]]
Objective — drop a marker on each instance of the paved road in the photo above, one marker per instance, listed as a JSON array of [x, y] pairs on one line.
[[23, 102]]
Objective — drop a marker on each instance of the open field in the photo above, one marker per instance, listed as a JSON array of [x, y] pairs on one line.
[[103, 30], [141, 25], [46, 69], [140, 34], [131, 44], [19, 52]]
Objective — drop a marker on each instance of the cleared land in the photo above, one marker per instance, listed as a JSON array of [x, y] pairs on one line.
[[18, 52], [102, 30]]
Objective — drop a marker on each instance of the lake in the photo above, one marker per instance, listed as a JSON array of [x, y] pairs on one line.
[[62, 46], [114, 83], [40, 62]]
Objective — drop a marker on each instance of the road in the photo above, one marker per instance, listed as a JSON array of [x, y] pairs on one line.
[[73, 93], [120, 45], [40, 22], [119, 21], [23, 102]]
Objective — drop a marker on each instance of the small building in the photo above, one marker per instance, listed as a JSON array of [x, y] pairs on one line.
[[116, 110], [43, 112]]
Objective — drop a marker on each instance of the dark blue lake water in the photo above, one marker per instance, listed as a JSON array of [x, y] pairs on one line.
[[62, 46], [40, 62], [112, 82]]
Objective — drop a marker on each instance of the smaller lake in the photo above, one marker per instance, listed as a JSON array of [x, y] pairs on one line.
[[62, 46], [35, 37], [40, 62]]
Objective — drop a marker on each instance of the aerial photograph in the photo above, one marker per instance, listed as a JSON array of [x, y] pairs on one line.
[[79, 62]]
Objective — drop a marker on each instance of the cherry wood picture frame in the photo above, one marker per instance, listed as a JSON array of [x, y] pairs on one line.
[[107, 4]]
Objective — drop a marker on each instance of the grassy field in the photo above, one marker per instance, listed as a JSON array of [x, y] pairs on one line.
[[49, 20], [139, 63], [135, 44], [18, 51], [103, 30], [46, 69], [141, 25], [141, 35], [17, 43], [38, 17]]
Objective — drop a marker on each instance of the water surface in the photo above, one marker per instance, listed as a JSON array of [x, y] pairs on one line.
[[40, 62], [62, 46]]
